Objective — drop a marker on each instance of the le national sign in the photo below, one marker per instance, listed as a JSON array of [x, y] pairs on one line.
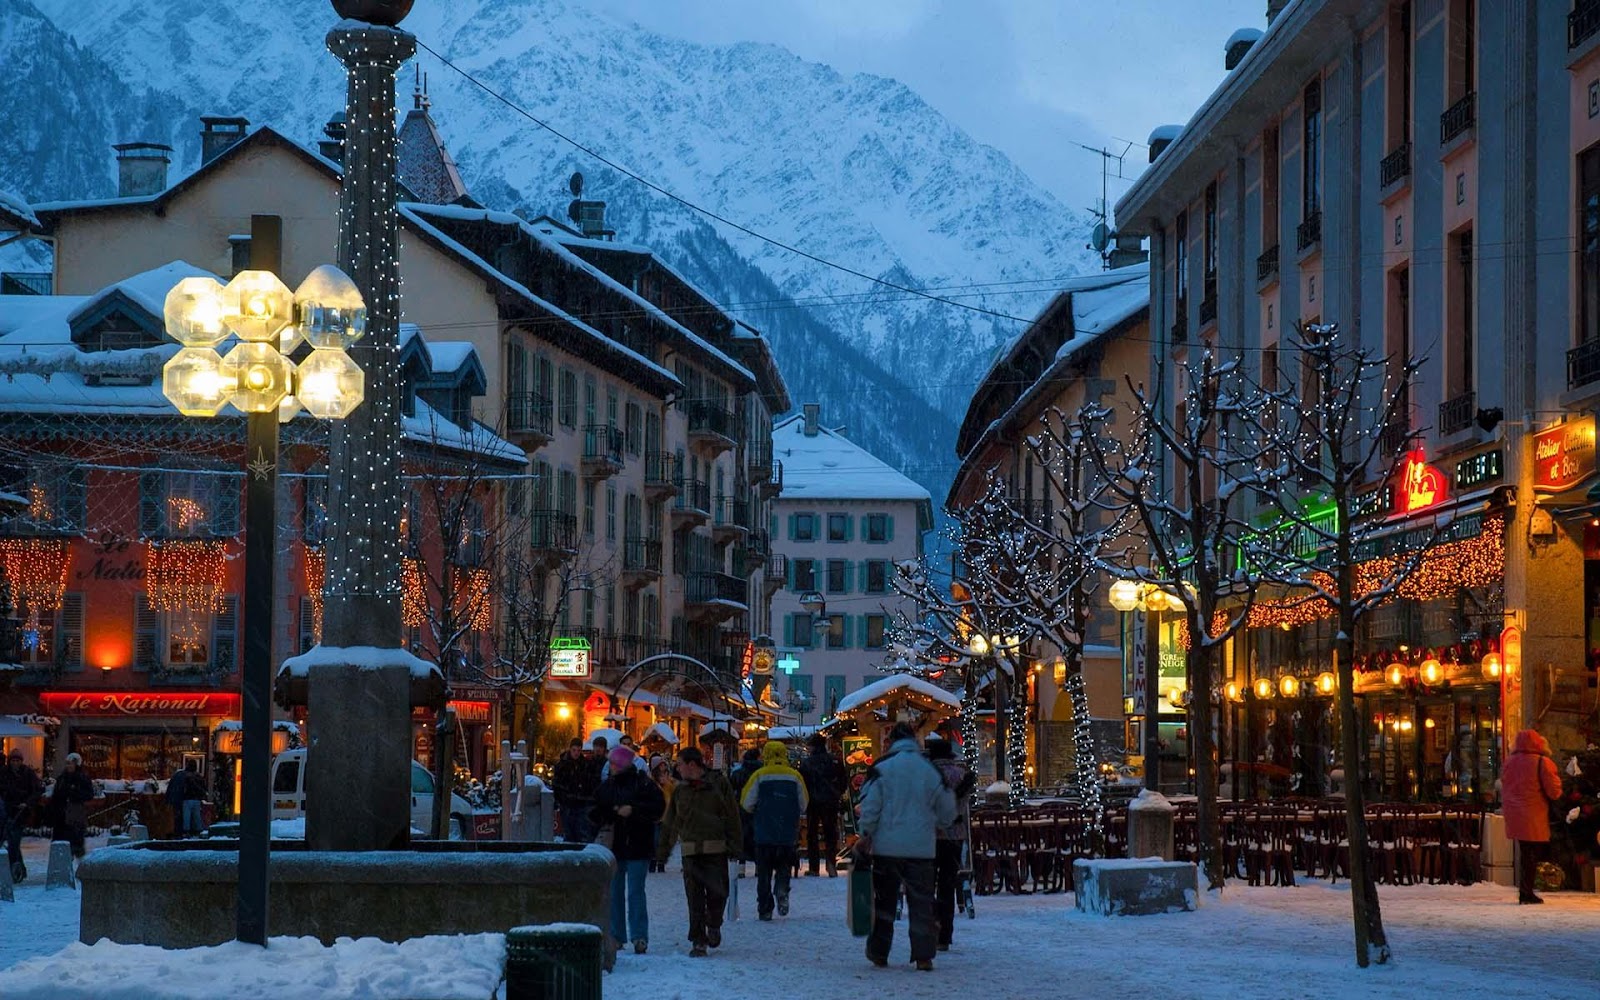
[[131, 703], [1563, 455]]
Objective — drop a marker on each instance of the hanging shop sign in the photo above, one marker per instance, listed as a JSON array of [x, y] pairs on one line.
[[1511, 679], [763, 659], [1563, 455], [471, 710], [569, 657], [1421, 485], [117, 704]]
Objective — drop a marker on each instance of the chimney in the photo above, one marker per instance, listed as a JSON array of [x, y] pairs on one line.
[[1161, 137], [811, 411], [1274, 8], [589, 215], [141, 168], [218, 134], [1238, 44], [332, 148]]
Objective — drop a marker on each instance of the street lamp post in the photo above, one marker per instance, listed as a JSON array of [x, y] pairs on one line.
[[259, 379], [1126, 596]]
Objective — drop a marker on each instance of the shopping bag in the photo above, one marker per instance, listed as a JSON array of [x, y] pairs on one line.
[[858, 900]]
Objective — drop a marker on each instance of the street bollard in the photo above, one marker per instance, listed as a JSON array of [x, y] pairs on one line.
[[7, 894], [1150, 818], [60, 875]]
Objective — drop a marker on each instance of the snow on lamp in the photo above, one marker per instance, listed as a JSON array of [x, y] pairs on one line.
[[329, 310], [257, 306], [1124, 595], [194, 312], [330, 384], [194, 381], [261, 376]]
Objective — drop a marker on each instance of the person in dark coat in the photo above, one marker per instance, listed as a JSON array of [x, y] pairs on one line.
[[574, 781], [20, 788], [749, 764], [703, 816], [958, 777], [177, 791], [70, 797], [826, 781], [1528, 784], [630, 803]]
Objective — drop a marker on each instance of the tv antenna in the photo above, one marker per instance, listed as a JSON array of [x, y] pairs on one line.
[[1102, 235]]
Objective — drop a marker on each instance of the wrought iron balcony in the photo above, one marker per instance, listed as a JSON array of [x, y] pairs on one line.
[[1583, 364], [1396, 436], [693, 502], [730, 518], [553, 531], [777, 574], [602, 450], [1267, 263], [1208, 309], [1309, 232], [718, 588], [529, 414], [1460, 116], [641, 560], [661, 473], [1455, 415], [772, 485], [711, 427], [1583, 22], [1395, 166]]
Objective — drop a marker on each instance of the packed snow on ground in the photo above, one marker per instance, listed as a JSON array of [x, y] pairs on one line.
[[1270, 943]]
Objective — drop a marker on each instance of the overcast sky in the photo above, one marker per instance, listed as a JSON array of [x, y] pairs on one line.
[[1031, 77]]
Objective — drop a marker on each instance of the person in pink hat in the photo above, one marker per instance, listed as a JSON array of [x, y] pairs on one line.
[[629, 804]]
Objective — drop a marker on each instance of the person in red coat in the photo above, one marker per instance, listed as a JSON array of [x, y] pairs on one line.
[[1528, 784]]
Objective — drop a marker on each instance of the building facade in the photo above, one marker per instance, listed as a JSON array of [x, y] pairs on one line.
[[1422, 173], [844, 521]]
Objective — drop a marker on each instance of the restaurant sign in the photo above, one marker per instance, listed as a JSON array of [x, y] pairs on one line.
[[1563, 455], [569, 657], [135, 703], [1421, 485]]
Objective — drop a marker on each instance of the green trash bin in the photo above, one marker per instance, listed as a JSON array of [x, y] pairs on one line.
[[554, 962]]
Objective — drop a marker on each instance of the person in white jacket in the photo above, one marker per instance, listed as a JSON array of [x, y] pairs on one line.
[[904, 802]]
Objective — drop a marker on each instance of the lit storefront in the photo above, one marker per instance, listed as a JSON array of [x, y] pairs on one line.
[[137, 735]]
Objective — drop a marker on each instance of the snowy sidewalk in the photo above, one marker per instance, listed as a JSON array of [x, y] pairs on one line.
[[1277, 943]]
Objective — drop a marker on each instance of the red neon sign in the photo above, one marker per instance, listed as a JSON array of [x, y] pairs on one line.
[[1421, 485], [136, 703]]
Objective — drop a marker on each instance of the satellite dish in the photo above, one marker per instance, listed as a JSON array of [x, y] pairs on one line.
[[1101, 237], [575, 183]]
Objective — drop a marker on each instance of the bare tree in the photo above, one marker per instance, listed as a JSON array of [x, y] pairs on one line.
[[1196, 539], [1341, 430]]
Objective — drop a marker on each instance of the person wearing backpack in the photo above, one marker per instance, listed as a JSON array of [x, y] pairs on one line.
[[825, 779], [958, 777]]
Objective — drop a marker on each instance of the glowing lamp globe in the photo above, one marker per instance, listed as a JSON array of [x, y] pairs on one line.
[[330, 384], [1231, 691], [1396, 674], [1124, 595], [260, 377], [1289, 684], [193, 312], [1327, 682], [193, 381], [1264, 687], [1154, 599], [329, 311], [1491, 665], [257, 306], [979, 645], [1432, 670]]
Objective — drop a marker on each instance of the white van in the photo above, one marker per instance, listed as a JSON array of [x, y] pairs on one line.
[[289, 794]]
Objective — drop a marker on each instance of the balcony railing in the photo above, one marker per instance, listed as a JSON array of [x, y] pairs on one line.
[[1309, 232], [1395, 437], [529, 413], [1180, 320], [1583, 364], [709, 418], [1461, 116], [1267, 263], [706, 588], [777, 568], [758, 459], [1208, 309], [1455, 415], [732, 512], [1583, 22], [660, 470], [693, 494], [1395, 166], [553, 530], [602, 443], [641, 554], [774, 482]]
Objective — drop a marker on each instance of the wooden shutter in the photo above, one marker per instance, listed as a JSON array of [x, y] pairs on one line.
[[849, 527], [224, 636], [849, 576], [146, 634], [69, 630]]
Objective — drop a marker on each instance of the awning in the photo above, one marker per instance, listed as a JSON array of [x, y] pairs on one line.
[[10, 728]]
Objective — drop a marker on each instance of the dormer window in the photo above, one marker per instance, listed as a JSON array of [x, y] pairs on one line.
[[115, 323]]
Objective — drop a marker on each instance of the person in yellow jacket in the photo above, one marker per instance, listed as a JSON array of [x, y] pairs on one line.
[[775, 798]]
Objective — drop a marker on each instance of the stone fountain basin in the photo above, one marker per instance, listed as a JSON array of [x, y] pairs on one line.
[[183, 893]]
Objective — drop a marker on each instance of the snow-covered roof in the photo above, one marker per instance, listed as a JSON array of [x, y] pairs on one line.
[[829, 466], [14, 212], [663, 732], [365, 657], [430, 426], [889, 685]]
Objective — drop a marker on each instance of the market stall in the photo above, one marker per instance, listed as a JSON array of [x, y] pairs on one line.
[[874, 709]]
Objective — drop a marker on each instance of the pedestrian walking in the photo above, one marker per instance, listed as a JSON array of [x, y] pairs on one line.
[[826, 782], [661, 774], [630, 804], [194, 800], [20, 789], [952, 839], [749, 764], [903, 803], [1528, 785], [177, 792], [704, 818], [70, 797], [775, 798], [574, 781]]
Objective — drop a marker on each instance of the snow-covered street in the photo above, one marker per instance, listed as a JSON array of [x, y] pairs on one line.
[[1277, 943]]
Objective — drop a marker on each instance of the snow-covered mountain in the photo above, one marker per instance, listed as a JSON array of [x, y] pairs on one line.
[[857, 169]]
